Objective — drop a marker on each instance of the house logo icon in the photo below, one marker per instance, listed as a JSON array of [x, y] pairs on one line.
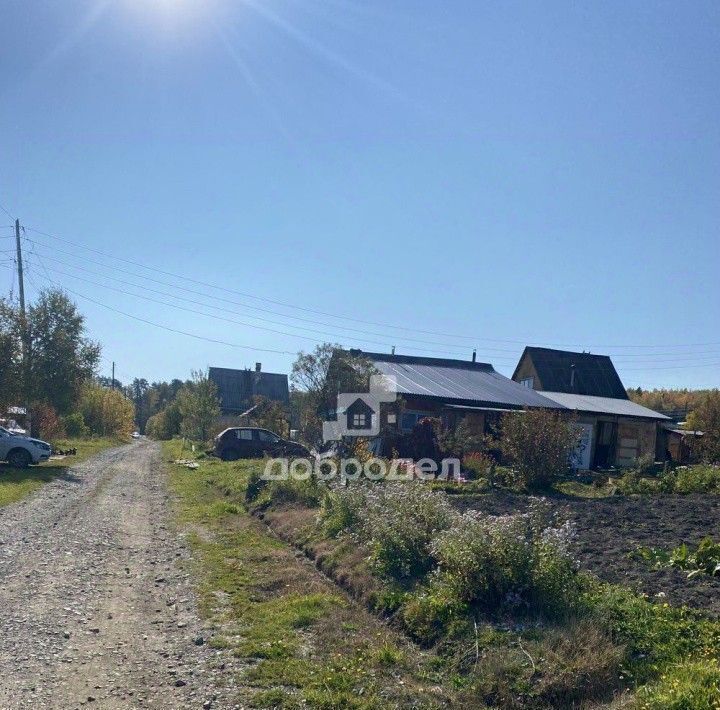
[[358, 413]]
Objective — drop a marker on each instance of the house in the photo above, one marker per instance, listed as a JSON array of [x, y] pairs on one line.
[[236, 388], [616, 431], [448, 389], [548, 370]]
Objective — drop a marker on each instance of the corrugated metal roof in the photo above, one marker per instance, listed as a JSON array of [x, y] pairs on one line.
[[602, 405], [456, 380], [576, 373], [236, 388]]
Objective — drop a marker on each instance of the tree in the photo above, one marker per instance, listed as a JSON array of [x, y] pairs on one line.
[[320, 375], [62, 358], [10, 356], [138, 392], [538, 443], [706, 418], [106, 412], [270, 414], [199, 407]]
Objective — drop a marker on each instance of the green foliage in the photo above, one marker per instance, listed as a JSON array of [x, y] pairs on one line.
[[399, 524], [74, 425], [705, 559], [106, 412], [539, 444], [10, 372], [697, 479], [199, 407], [317, 378], [689, 684], [520, 561], [479, 465], [63, 358], [655, 635], [705, 417], [342, 510], [270, 414]]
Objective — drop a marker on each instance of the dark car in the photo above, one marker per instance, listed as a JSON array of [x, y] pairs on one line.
[[254, 443]]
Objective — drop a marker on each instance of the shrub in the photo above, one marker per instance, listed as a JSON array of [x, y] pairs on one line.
[[342, 510], [511, 560], [539, 444], [401, 521], [106, 412], [75, 425], [479, 465], [46, 422], [427, 614], [697, 479]]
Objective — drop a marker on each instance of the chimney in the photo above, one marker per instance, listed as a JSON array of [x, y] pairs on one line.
[[258, 366], [474, 357], [572, 377]]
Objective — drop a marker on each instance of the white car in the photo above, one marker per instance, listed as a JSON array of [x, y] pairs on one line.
[[136, 435], [20, 451]]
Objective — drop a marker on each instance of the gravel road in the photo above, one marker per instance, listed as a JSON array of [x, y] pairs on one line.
[[96, 608]]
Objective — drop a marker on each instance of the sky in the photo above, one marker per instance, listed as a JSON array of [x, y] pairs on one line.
[[207, 174]]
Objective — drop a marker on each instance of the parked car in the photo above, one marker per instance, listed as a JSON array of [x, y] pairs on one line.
[[136, 435], [20, 451], [252, 443]]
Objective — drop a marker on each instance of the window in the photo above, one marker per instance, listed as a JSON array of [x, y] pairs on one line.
[[244, 434], [268, 437], [359, 420], [528, 382]]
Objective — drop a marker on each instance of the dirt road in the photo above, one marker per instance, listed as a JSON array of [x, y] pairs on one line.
[[96, 608]]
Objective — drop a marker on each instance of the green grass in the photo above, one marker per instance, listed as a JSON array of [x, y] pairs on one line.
[[305, 643], [18, 483]]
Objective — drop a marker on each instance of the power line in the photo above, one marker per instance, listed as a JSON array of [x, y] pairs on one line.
[[348, 318], [231, 320], [653, 358], [176, 330]]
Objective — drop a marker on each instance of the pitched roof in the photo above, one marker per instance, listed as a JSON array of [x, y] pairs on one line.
[[603, 405], [236, 388], [459, 381], [595, 375]]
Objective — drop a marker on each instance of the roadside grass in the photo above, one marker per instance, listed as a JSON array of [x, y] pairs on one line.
[[18, 483], [304, 642]]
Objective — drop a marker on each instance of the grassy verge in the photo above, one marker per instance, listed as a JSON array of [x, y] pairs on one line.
[[305, 643], [16, 483]]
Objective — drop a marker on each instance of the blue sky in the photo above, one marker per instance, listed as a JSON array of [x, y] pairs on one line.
[[541, 173]]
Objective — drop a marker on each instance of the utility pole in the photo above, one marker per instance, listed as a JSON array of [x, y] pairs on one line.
[[112, 386], [24, 335]]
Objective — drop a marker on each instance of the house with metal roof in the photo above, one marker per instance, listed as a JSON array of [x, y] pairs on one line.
[[616, 431], [237, 388]]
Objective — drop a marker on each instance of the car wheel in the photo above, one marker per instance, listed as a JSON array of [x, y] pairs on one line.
[[230, 455], [19, 458]]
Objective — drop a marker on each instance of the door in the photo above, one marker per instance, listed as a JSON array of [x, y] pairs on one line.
[[605, 444]]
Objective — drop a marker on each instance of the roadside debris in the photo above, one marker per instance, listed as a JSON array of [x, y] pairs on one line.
[[188, 463]]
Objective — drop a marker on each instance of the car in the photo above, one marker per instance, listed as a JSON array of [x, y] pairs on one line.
[[252, 443], [21, 451], [136, 435]]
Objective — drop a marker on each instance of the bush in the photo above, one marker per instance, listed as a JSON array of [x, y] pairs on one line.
[[342, 510], [539, 444], [697, 479], [479, 465], [400, 524], [46, 423], [706, 418], [75, 425], [511, 560], [106, 412]]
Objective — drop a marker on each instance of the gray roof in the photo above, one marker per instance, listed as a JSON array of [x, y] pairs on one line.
[[456, 380], [603, 405], [236, 388], [593, 374]]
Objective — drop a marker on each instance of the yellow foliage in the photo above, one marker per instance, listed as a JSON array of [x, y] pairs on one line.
[[107, 412]]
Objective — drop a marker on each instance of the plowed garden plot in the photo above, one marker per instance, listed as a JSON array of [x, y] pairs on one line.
[[610, 529]]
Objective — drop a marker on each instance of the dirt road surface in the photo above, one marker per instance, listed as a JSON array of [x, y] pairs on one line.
[[96, 607]]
